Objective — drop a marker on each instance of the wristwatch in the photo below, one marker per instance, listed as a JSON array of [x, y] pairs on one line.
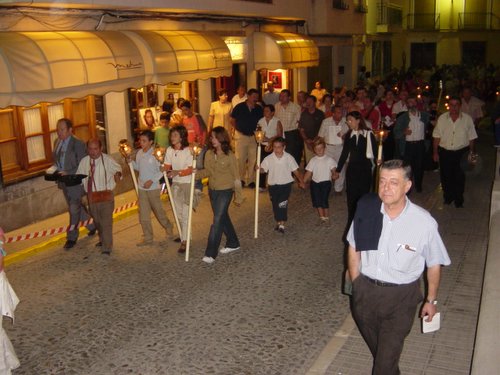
[[432, 301]]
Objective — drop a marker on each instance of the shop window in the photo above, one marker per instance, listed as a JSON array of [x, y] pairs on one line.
[[27, 134]]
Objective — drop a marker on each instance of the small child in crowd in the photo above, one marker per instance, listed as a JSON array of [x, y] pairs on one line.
[[149, 188], [321, 170], [280, 166]]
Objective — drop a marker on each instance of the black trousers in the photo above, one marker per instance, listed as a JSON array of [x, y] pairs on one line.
[[452, 175], [415, 156], [384, 316], [279, 198], [359, 178], [294, 144]]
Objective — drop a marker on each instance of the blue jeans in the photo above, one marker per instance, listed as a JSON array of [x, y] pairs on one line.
[[220, 201]]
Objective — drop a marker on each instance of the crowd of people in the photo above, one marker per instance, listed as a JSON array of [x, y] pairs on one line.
[[327, 141]]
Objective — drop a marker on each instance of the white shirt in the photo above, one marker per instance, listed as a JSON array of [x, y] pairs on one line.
[[321, 168], [454, 135], [329, 130], [288, 115], [271, 97], [104, 173], [399, 107], [221, 113], [149, 169], [474, 108], [417, 128], [237, 100], [179, 160], [279, 169], [407, 244], [270, 128]]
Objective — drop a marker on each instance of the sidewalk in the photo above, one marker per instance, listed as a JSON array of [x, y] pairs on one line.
[[465, 234]]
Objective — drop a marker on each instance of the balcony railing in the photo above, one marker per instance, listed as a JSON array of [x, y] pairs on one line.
[[362, 8], [423, 21], [389, 15], [340, 4], [478, 21]]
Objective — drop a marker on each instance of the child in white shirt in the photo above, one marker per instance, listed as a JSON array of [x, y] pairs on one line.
[[272, 128], [320, 169], [280, 166]]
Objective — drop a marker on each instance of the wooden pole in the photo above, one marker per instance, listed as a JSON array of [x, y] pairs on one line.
[[172, 204], [190, 214], [257, 182], [134, 178]]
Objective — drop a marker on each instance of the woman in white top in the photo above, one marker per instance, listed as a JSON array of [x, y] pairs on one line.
[[178, 163], [220, 112], [272, 128]]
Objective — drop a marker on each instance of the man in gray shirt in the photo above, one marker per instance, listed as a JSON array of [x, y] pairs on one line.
[[391, 241]]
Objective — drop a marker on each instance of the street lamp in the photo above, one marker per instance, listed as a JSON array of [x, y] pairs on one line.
[[126, 151]]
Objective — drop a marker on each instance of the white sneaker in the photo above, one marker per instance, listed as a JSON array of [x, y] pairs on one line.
[[227, 250], [208, 260]]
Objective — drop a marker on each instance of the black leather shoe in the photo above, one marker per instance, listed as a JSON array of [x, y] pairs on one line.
[[178, 239], [92, 232], [459, 204], [448, 201], [251, 185], [99, 244], [69, 244], [106, 252]]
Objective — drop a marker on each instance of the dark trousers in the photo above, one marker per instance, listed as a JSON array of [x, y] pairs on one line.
[[452, 175], [77, 212], [294, 144], [279, 198], [414, 156], [220, 201], [358, 183], [263, 154], [102, 213], [384, 316]]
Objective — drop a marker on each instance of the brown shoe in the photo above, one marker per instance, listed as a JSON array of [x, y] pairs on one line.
[[182, 249]]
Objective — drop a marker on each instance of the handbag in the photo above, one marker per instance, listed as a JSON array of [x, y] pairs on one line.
[[102, 195]]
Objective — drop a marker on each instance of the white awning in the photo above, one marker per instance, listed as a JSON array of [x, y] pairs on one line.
[[49, 66], [175, 56], [284, 51]]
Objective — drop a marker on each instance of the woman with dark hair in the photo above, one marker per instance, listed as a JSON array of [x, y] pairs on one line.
[[223, 174], [178, 164], [360, 146]]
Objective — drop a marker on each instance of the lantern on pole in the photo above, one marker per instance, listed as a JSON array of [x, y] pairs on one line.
[[126, 151], [159, 153], [259, 136], [196, 149]]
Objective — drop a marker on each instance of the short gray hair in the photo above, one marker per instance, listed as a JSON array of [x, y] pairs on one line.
[[398, 164]]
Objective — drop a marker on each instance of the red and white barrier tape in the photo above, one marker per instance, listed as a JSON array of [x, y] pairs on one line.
[[53, 231]]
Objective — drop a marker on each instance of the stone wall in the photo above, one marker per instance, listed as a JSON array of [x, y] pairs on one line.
[[35, 199]]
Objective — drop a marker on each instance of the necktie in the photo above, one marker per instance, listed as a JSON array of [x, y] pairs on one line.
[[91, 176]]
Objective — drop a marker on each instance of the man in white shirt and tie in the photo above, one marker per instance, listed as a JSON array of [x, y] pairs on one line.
[[102, 174]]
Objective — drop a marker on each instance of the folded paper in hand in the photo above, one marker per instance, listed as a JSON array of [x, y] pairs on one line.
[[432, 326]]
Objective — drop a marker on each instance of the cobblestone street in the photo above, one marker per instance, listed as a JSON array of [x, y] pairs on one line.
[[270, 308]]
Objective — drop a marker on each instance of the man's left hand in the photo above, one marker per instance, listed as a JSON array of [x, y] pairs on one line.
[[428, 310]]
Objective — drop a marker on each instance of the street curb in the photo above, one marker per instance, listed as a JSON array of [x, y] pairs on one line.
[[35, 249]]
